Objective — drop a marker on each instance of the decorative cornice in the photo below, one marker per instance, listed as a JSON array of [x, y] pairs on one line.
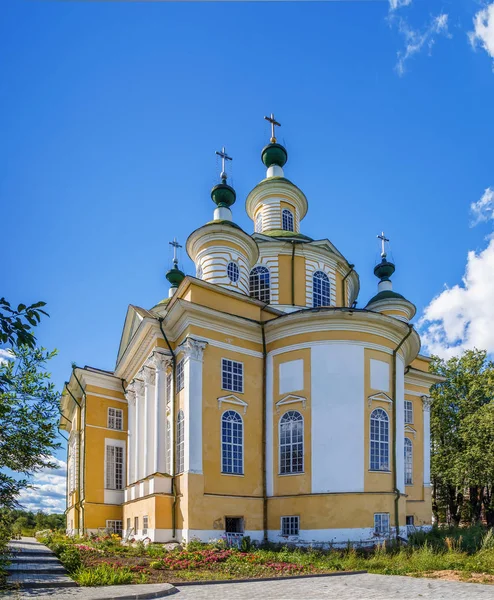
[[380, 397], [232, 399], [411, 430], [291, 399], [192, 348]]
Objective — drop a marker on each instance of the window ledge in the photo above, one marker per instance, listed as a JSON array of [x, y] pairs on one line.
[[291, 474], [379, 471], [233, 474]]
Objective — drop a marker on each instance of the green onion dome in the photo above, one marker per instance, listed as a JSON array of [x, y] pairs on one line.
[[274, 154], [384, 270], [175, 276], [223, 195]]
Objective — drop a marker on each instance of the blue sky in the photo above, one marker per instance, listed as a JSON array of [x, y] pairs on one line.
[[111, 113]]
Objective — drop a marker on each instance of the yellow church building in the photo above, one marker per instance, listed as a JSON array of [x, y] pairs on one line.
[[257, 399]]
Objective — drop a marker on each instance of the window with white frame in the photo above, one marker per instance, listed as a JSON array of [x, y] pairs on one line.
[[115, 527], [291, 443], [258, 225], [287, 219], [180, 376], [381, 524], [232, 443], [290, 526], [259, 284], [114, 468], [168, 445], [180, 458], [72, 465], [115, 418], [136, 524], [169, 377], [379, 440], [233, 272], [321, 295], [128, 524], [145, 524], [408, 461], [408, 411], [232, 375]]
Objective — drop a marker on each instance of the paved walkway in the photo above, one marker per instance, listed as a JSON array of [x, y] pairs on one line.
[[345, 587]]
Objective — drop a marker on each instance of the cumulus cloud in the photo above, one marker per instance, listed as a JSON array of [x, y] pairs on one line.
[[483, 34], [5, 355], [395, 4], [417, 40], [48, 491], [461, 317]]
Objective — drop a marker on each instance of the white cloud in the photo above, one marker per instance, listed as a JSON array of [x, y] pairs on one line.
[[395, 4], [483, 209], [416, 40], [5, 355], [483, 35], [461, 317], [49, 490]]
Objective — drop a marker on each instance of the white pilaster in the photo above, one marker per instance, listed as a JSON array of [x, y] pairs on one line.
[[399, 406], [139, 410], [160, 363], [193, 351], [131, 433], [149, 375], [426, 406]]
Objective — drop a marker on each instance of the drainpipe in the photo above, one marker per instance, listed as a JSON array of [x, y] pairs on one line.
[[74, 367], [395, 474], [264, 436], [172, 430], [293, 274], [77, 505], [343, 295]]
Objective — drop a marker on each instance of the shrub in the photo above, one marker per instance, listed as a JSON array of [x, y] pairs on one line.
[[104, 574], [70, 557]]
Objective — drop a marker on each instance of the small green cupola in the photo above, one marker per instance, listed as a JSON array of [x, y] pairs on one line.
[[175, 276], [274, 155], [223, 195], [387, 301]]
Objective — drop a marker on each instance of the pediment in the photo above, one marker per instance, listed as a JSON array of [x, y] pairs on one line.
[[409, 429], [381, 397], [290, 399], [133, 319], [232, 399]]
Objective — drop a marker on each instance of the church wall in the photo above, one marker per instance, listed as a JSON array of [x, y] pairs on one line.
[[96, 515], [337, 335], [221, 302], [416, 490], [421, 509], [337, 418]]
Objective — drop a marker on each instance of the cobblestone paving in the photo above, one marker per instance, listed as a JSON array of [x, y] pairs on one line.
[[346, 587]]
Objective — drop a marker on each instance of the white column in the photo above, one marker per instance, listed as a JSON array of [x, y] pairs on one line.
[[399, 406], [160, 362], [171, 418], [149, 375], [426, 406], [139, 390], [131, 433], [193, 351]]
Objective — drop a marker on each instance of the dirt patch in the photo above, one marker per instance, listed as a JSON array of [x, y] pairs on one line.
[[461, 576]]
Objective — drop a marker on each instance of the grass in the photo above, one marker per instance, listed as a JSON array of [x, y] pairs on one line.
[[461, 553]]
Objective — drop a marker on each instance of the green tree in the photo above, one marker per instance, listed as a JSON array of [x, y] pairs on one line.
[[460, 432]]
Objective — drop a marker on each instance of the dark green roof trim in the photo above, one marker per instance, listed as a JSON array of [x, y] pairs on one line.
[[281, 233], [386, 295], [224, 222]]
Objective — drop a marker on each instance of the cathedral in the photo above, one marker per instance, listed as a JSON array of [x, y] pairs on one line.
[[256, 400]]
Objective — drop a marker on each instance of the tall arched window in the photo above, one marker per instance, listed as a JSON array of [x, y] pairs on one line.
[[408, 462], [258, 226], [232, 443], [291, 443], [287, 219], [320, 289], [379, 440], [259, 284], [179, 459]]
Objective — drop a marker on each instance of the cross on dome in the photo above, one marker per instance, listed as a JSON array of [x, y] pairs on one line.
[[175, 245], [384, 240], [274, 123], [224, 157]]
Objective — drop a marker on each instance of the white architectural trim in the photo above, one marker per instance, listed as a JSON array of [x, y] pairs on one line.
[[232, 399], [411, 430], [291, 399], [381, 397]]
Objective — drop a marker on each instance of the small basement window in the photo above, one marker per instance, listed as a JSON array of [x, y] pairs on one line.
[[290, 526]]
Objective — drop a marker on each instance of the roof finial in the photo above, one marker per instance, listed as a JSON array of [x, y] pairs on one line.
[[383, 239], [274, 123], [175, 245], [224, 157]]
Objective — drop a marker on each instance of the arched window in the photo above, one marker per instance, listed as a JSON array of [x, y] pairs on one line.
[[287, 219], [320, 289], [258, 225], [379, 440], [408, 462], [233, 271], [291, 443], [259, 284], [232, 443], [179, 459]]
